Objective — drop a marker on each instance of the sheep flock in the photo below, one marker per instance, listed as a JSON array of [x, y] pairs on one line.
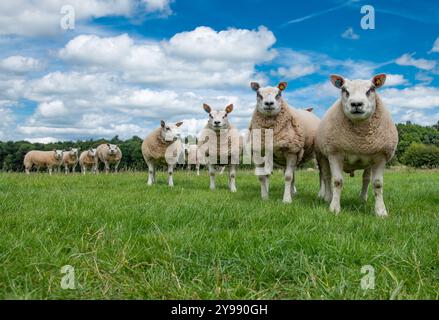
[[356, 133]]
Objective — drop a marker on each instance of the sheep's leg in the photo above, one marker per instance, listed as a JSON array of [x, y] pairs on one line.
[[116, 166], [107, 167], [83, 170], [232, 178], [366, 180], [150, 173], [66, 169], [289, 177], [50, 170], [264, 180], [336, 164], [212, 176], [294, 190], [197, 166], [378, 184], [170, 175], [323, 166]]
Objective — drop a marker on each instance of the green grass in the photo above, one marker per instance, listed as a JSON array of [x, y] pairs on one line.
[[129, 241]]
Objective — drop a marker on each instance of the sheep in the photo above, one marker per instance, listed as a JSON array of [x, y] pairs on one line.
[[357, 133], [70, 160], [39, 159], [109, 154], [89, 160], [158, 148], [219, 144], [191, 151], [293, 133]]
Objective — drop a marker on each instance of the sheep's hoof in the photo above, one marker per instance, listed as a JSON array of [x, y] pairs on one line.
[[381, 212], [264, 197], [287, 201], [334, 209], [233, 190]]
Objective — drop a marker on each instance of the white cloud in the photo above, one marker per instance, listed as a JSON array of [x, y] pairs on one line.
[[350, 34], [417, 97], [52, 109], [408, 60], [20, 64], [393, 80], [157, 6], [435, 46], [419, 117], [44, 140]]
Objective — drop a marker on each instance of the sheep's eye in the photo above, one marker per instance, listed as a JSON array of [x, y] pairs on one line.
[[370, 91], [346, 92]]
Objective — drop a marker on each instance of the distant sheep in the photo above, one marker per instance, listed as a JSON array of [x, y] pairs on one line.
[[89, 160], [43, 159], [293, 130], [157, 146], [70, 160], [109, 154], [357, 133], [221, 138]]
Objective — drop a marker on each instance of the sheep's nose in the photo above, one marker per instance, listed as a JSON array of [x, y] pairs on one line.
[[269, 104], [217, 123], [357, 104]]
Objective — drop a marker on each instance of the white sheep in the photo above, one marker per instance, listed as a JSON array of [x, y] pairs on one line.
[[219, 144], [162, 146], [109, 154], [43, 159], [293, 134], [70, 160], [89, 160], [357, 133]]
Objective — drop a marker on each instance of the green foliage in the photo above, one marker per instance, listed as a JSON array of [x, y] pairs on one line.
[[421, 156], [413, 133]]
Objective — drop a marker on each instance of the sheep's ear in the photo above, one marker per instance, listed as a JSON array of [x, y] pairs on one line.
[[229, 108], [108, 145], [179, 124], [337, 81], [310, 109], [162, 123], [379, 80], [282, 86], [255, 86], [207, 108]]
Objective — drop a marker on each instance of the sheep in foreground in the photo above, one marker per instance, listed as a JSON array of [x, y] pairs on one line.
[[109, 154], [293, 133], [89, 160], [162, 146], [43, 159], [357, 133], [219, 144], [70, 160]]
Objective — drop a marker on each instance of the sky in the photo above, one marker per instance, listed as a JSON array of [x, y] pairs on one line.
[[127, 64]]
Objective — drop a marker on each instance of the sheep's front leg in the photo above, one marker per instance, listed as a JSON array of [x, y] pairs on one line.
[[66, 169], [366, 180], [170, 175], [378, 184], [107, 167], [150, 173], [212, 176], [116, 166], [83, 170], [336, 164], [232, 178], [197, 166], [264, 180], [50, 170], [289, 177]]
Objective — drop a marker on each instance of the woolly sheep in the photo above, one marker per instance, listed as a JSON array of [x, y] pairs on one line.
[[294, 133], [156, 150], [89, 160], [43, 159], [357, 133], [219, 145], [109, 154], [70, 160]]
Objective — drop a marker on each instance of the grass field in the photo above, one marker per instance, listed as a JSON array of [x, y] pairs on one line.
[[128, 241]]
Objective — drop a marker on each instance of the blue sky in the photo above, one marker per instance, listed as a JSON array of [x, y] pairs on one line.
[[129, 63]]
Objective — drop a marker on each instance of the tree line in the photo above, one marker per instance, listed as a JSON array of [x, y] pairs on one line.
[[418, 147]]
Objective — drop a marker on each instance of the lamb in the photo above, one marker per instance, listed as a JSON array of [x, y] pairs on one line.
[[293, 132], [357, 133], [219, 145], [70, 160], [109, 154], [89, 160], [158, 148], [43, 159]]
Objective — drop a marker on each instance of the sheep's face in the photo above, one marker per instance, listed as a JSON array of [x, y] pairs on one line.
[[112, 149], [358, 97], [74, 152], [269, 99], [218, 119], [92, 153], [170, 132], [58, 154]]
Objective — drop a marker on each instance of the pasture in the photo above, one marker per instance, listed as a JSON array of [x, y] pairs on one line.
[[129, 241]]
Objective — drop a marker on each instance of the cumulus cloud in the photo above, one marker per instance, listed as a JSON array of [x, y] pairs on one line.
[[20, 64], [417, 97], [350, 34], [394, 80], [408, 60]]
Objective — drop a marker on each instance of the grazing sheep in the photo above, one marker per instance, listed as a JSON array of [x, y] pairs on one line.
[[89, 160], [43, 159], [158, 148], [219, 145], [293, 132], [192, 157], [109, 154], [357, 133], [70, 160]]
